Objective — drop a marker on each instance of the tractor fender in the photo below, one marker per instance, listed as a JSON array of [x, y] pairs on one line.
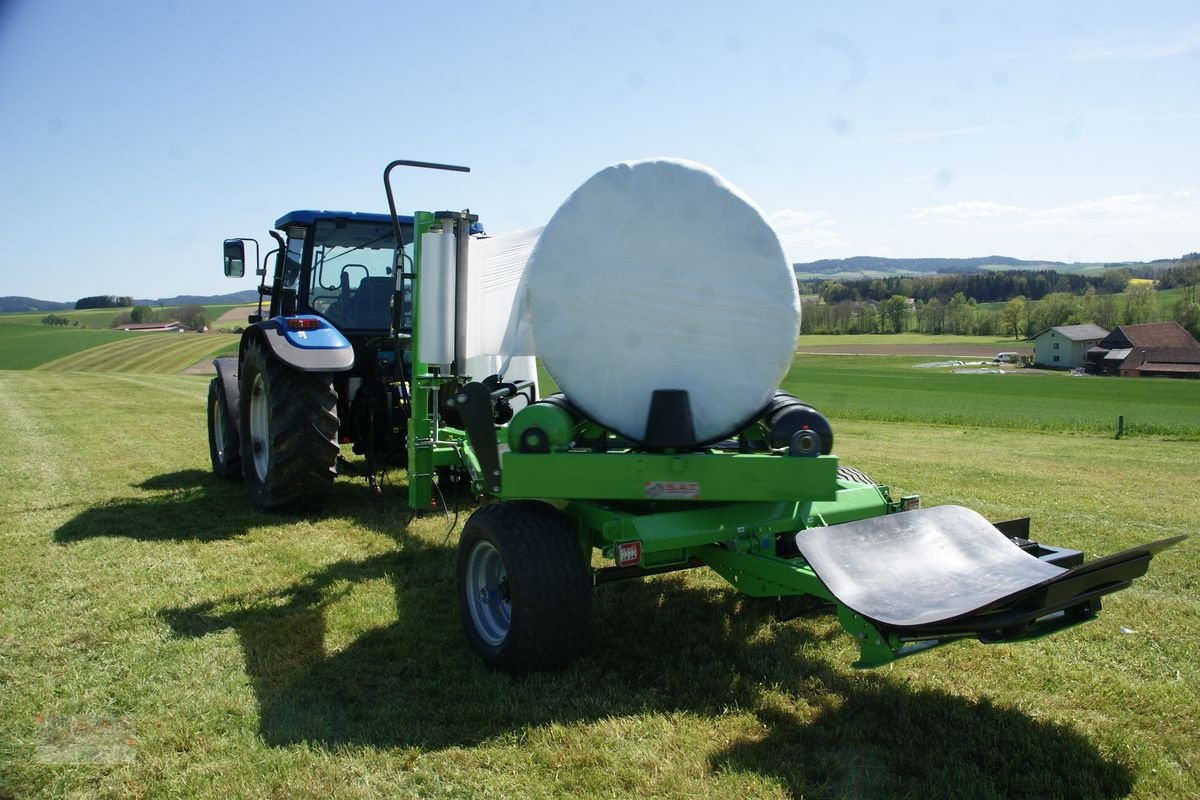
[[316, 347], [227, 379]]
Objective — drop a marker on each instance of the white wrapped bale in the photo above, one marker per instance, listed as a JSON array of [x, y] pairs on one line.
[[660, 275]]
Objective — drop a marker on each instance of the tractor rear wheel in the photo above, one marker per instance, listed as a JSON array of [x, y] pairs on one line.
[[224, 449], [289, 432], [524, 593]]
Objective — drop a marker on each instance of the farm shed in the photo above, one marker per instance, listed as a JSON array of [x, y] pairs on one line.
[[1157, 349], [1065, 346]]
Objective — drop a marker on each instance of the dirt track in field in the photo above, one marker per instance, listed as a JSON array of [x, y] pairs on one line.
[[939, 350], [234, 317]]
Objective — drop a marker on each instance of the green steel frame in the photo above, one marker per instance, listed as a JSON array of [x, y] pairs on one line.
[[670, 510], [718, 509]]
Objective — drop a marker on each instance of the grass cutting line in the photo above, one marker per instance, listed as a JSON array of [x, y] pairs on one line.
[[28, 346], [144, 353]]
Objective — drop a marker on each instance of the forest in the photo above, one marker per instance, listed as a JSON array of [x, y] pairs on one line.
[[1013, 303]]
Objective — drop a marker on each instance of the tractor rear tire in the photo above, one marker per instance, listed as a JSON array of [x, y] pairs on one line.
[[289, 432], [224, 450], [524, 591]]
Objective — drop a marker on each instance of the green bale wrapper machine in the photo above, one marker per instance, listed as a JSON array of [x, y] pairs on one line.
[[659, 300]]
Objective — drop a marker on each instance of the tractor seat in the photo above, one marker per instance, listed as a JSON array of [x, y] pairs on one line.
[[372, 302]]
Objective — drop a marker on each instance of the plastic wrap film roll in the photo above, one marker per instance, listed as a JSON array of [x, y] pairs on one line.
[[497, 267], [435, 323], [660, 275]]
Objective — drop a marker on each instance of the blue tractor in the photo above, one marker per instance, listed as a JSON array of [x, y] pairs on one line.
[[331, 360]]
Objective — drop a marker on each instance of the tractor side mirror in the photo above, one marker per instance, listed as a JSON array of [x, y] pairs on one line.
[[235, 258]]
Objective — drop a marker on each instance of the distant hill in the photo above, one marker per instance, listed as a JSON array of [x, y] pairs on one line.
[[880, 267], [234, 298], [29, 304], [922, 266]]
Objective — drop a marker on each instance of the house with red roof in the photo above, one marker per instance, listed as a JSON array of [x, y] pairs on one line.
[[1153, 350]]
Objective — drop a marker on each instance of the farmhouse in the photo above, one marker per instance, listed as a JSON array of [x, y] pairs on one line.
[[1065, 346], [153, 327], [1158, 349]]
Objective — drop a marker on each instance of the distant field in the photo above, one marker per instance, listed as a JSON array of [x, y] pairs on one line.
[[24, 346], [100, 317], [873, 387], [911, 344], [161, 353], [943, 340], [25, 343], [891, 388], [235, 317]]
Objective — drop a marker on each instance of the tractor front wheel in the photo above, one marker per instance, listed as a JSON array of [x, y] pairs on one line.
[[223, 446], [289, 432], [524, 593]]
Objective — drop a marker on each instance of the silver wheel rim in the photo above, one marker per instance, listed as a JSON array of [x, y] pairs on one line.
[[487, 593], [259, 428]]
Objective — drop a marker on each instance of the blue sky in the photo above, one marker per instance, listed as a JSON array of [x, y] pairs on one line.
[[137, 135]]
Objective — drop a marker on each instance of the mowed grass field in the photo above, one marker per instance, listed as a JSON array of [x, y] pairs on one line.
[[895, 389], [25, 343], [159, 639], [152, 353], [101, 318]]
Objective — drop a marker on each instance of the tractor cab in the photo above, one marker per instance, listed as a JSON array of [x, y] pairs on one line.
[[342, 266]]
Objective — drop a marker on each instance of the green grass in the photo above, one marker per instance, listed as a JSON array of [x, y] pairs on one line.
[[36, 346], [161, 353], [27, 346], [823, 340], [255, 656], [890, 388], [100, 317]]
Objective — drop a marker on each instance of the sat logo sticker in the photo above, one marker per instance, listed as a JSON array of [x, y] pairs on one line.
[[672, 490]]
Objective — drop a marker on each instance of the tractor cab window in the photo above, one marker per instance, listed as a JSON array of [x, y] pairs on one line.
[[353, 276], [293, 258]]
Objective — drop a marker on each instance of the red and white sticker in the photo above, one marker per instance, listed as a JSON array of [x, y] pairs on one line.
[[629, 554], [672, 490]]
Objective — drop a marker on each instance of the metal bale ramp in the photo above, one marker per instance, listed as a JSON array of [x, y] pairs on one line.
[[946, 572]]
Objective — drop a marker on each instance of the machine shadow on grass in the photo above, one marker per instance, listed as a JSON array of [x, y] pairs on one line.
[[659, 646], [195, 505]]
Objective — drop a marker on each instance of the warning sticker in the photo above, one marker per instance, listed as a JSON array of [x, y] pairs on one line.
[[672, 490]]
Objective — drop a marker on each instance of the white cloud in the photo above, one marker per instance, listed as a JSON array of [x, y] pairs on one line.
[[801, 232], [1139, 45], [811, 238], [963, 212], [964, 130], [1114, 227], [1168, 213], [794, 218], [1117, 205]]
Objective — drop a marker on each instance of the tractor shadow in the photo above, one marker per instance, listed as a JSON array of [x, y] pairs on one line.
[[195, 505], [660, 646]]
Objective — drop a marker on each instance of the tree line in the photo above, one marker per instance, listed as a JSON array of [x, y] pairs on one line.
[[999, 286], [103, 301], [191, 316], [857, 307]]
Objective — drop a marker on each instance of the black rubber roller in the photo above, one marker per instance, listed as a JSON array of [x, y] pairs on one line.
[[790, 420]]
